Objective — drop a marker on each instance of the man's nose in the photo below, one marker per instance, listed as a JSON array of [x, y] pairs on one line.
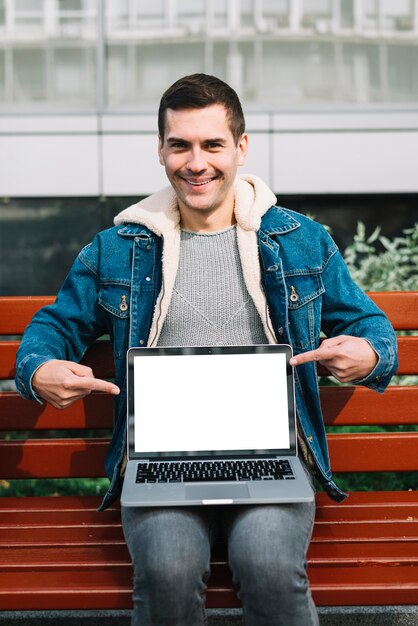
[[197, 161]]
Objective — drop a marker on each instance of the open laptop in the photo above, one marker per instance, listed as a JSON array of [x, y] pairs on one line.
[[212, 425]]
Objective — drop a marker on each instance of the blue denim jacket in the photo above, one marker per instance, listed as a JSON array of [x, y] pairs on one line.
[[296, 255]]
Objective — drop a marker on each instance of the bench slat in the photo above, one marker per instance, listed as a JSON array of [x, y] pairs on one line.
[[374, 452], [17, 311], [17, 558], [361, 406], [366, 592], [341, 406], [99, 358], [111, 588], [95, 411], [407, 354], [400, 307], [360, 505], [53, 458], [83, 533], [61, 458]]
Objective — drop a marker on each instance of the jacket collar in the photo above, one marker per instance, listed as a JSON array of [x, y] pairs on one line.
[[159, 212], [278, 221]]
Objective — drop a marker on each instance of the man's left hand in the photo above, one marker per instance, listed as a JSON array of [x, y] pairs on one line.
[[347, 358]]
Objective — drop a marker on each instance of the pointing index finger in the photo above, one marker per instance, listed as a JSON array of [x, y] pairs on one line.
[[96, 384], [305, 357]]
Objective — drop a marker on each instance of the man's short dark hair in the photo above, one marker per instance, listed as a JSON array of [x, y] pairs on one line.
[[198, 91]]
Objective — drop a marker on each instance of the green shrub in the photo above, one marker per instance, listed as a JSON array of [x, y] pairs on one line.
[[377, 263]]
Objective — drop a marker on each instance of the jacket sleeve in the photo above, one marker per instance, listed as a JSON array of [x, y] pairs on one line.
[[348, 310], [65, 329]]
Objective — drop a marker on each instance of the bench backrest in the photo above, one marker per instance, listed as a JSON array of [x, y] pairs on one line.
[[81, 455]]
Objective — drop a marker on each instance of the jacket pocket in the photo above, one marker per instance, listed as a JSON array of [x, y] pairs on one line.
[[115, 298], [304, 309]]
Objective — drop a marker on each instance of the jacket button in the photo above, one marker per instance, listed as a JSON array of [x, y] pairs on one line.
[[141, 341], [147, 279]]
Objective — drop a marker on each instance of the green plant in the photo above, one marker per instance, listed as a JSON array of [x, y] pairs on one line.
[[377, 263]]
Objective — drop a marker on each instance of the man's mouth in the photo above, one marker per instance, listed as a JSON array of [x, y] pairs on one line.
[[198, 183]]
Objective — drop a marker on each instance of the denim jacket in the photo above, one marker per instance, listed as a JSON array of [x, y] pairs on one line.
[[296, 256]]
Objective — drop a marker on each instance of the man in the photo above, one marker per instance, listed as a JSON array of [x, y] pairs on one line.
[[211, 260]]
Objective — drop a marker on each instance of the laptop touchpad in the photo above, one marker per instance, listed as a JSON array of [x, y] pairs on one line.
[[217, 492]]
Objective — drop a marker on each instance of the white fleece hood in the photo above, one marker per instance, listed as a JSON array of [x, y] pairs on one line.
[[159, 212]]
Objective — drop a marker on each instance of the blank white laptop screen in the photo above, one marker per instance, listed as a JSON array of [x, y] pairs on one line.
[[210, 402]]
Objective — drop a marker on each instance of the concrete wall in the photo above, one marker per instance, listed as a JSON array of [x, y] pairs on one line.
[[358, 151]]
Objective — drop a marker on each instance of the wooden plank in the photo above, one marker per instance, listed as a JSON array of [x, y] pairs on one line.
[[351, 593], [93, 412], [17, 311], [8, 350], [112, 588], [85, 534], [17, 558], [78, 588], [381, 554], [367, 575], [407, 355], [360, 506], [341, 406], [51, 535], [99, 555], [369, 505], [355, 531], [99, 357], [401, 307], [53, 458], [61, 458], [62, 517], [361, 406], [374, 452]]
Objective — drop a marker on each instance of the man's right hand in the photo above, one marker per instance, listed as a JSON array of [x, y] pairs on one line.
[[63, 382]]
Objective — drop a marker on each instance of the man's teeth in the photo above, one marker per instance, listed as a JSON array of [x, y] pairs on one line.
[[199, 184]]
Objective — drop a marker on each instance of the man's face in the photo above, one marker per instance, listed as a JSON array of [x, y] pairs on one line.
[[201, 159]]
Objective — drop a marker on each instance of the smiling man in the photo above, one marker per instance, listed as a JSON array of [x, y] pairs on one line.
[[211, 260]]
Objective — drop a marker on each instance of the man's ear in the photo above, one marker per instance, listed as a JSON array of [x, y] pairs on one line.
[[160, 151], [242, 148]]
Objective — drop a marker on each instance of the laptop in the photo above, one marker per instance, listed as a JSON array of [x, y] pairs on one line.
[[212, 426]]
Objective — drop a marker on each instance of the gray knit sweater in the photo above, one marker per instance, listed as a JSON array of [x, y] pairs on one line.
[[210, 304]]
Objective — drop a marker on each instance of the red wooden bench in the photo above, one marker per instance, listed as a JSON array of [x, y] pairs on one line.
[[59, 553]]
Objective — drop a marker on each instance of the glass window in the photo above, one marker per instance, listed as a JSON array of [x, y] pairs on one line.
[[74, 75], [2, 13], [29, 75], [2, 75], [138, 74], [28, 16], [274, 52]]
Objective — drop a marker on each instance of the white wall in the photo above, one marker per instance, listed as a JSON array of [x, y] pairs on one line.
[[321, 152]]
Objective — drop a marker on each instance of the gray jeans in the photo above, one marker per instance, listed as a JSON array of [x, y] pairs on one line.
[[267, 544]]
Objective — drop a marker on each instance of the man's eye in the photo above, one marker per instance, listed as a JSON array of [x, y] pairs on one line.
[[178, 145], [213, 145]]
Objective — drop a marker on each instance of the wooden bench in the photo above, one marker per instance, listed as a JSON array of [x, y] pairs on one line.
[[59, 553]]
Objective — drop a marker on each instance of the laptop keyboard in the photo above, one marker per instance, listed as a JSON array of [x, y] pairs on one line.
[[213, 471]]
